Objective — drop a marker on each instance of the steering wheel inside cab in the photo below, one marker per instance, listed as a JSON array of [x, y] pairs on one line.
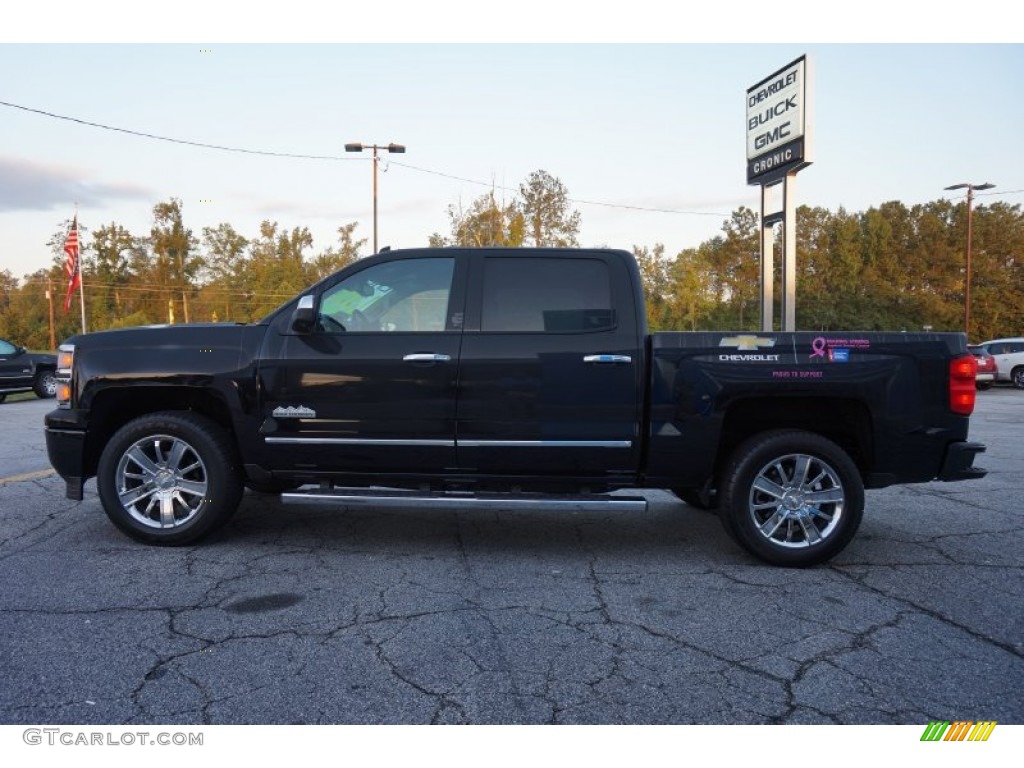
[[357, 321]]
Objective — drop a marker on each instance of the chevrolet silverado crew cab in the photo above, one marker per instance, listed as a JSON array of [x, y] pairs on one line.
[[444, 377]]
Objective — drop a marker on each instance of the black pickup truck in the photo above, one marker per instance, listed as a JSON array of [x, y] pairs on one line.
[[443, 377], [24, 371]]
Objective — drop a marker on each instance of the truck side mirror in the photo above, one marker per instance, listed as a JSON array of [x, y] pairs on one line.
[[304, 315]]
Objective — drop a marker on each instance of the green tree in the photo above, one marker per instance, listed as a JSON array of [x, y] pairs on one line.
[[997, 271], [486, 223], [110, 264], [332, 259], [174, 248], [278, 266], [550, 220], [734, 262], [226, 274], [692, 292]]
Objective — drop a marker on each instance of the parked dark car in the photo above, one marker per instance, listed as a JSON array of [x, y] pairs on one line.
[[987, 369], [24, 371]]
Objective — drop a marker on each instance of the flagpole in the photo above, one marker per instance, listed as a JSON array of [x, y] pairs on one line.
[[81, 276]]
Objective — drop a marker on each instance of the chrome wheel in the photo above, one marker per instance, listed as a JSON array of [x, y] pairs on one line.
[[796, 501], [161, 481], [791, 497], [1017, 377], [45, 384], [170, 478]]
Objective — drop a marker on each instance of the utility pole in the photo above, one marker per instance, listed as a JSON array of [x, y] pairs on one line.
[[49, 298], [967, 271], [392, 148]]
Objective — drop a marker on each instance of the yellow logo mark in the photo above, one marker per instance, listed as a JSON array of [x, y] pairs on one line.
[[961, 730], [746, 342]]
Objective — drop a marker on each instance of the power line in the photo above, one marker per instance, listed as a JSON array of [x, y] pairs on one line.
[[168, 138], [572, 200], [265, 153], [990, 194]]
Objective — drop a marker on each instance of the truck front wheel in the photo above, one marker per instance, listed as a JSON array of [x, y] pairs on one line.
[[45, 384], [791, 498], [169, 478]]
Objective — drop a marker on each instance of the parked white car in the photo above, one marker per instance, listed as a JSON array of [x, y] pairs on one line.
[[1009, 355]]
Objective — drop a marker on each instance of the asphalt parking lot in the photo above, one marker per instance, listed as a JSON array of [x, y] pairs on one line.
[[316, 615]]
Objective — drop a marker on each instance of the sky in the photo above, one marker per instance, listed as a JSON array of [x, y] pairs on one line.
[[641, 121]]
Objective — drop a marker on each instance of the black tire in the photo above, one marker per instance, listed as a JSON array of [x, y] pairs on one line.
[[1017, 377], [983, 385], [271, 486], [791, 498], [2, 397], [45, 384], [692, 498], [184, 463]]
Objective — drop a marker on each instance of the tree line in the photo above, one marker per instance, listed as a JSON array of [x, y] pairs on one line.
[[891, 268]]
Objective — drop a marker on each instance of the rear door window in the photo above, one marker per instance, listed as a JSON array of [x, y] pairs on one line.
[[546, 295]]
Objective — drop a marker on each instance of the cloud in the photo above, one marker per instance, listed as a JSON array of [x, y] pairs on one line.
[[29, 186]]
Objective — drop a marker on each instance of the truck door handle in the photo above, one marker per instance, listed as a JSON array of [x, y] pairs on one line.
[[607, 359], [427, 357]]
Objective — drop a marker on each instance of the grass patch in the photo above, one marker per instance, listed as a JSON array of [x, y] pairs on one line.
[[16, 398]]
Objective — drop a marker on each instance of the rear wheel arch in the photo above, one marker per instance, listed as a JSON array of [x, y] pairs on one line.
[[847, 423]]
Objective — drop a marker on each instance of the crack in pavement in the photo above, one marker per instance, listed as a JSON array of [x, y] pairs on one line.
[[930, 613]]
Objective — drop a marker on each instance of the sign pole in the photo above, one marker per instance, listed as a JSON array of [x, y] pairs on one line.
[[767, 261], [789, 253]]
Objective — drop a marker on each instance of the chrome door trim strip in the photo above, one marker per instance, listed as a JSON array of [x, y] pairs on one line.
[[358, 441], [545, 443], [451, 443]]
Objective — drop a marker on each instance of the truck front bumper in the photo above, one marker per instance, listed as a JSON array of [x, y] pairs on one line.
[[959, 461], [65, 446]]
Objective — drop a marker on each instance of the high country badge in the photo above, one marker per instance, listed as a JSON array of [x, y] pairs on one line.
[[294, 412]]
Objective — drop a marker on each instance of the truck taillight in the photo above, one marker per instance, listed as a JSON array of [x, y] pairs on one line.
[[65, 362], [962, 388]]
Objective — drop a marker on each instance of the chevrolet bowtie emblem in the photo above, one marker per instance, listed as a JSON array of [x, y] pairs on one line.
[[746, 343]]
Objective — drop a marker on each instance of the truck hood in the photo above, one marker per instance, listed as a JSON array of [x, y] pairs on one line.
[[162, 354]]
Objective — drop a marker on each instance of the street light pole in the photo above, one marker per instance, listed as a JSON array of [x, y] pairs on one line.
[[359, 147], [967, 281]]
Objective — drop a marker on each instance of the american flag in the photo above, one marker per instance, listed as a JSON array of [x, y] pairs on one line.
[[71, 265]]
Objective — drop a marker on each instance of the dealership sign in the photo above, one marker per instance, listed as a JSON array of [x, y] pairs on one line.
[[778, 131]]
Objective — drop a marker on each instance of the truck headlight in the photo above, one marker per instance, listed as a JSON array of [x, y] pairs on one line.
[[65, 363]]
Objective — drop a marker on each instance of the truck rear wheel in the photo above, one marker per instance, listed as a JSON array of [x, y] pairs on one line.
[[791, 498], [169, 478]]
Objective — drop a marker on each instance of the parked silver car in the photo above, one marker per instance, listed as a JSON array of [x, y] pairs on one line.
[[1009, 355]]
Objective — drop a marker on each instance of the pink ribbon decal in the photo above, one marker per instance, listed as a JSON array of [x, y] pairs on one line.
[[818, 345]]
